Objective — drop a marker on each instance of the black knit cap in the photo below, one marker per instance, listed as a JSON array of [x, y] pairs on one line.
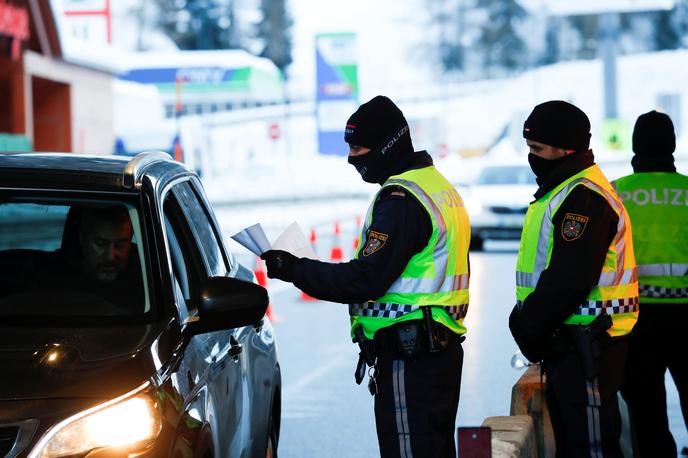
[[653, 134], [559, 124], [375, 122]]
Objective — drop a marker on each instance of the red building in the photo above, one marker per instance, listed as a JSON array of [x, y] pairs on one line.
[[46, 102]]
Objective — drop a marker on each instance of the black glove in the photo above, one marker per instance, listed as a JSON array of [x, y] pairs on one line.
[[532, 344], [280, 264]]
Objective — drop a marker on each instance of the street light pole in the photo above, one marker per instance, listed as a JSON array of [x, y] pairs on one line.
[[608, 31]]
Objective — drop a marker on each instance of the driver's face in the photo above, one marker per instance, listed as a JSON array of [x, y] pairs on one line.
[[105, 247]]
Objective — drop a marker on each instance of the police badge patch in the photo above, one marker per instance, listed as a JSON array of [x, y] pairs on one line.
[[573, 226], [376, 240]]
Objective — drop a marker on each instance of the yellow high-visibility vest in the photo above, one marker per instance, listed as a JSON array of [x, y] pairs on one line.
[[657, 204], [438, 274], [616, 292]]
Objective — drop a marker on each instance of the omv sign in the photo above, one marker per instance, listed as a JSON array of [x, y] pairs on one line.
[[202, 75]]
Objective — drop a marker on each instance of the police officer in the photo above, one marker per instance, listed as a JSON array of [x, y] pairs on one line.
[[657, 201], [576, 287], [407, 286]]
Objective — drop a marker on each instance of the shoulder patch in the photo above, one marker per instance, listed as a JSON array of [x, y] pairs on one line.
[[393, 191], [573, 226], [375, 242]]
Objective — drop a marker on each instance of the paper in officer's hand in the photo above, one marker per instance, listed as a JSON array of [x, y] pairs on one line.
[[253, 238], [295, 242]]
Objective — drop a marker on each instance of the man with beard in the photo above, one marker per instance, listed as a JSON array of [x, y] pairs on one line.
[[98, 259], [407, 286], [576, 283]]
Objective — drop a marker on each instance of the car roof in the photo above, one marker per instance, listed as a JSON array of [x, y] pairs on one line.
[[79, 171]]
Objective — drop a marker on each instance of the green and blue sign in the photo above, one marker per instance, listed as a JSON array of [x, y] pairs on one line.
[[337, 88]]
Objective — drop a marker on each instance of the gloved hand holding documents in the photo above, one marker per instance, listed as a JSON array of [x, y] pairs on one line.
[[292, 240]]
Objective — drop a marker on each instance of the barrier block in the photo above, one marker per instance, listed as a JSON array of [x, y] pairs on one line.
[[512, 437], [528, 398]]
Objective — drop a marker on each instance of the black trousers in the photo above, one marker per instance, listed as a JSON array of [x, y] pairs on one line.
[[416, 402], [585, 413], [653, 350]]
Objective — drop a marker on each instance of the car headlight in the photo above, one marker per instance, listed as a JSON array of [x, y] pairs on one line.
[[133, 419], [473, 205]]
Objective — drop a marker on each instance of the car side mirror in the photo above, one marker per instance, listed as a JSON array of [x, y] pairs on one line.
[[227, 303]]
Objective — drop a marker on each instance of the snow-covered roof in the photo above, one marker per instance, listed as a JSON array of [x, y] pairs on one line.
[[228, 58]]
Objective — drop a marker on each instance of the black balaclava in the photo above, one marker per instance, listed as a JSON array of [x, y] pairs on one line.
[[654, 142], [559, 124], [379, 125]]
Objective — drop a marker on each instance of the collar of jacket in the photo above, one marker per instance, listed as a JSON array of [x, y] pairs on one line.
[[410, 161], [568, 167], [653, 163]]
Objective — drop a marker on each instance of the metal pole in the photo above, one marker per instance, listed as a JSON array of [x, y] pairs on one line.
[[608, 30]]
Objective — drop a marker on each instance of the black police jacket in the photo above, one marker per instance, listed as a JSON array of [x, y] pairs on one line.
[[398, 215], [575, 265]]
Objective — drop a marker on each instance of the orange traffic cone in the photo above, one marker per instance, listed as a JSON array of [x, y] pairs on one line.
[[337, 229], [336, 254], [313, 239], [262, 278]]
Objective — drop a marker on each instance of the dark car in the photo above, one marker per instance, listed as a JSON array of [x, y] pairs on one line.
[[126, 328]]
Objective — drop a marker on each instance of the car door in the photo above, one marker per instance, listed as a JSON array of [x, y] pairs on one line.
[[227, 378]]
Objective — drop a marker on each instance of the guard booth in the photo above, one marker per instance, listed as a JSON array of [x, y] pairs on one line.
[[46, 103]]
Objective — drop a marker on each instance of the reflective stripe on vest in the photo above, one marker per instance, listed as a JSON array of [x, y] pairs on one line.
[[661, 292], [445, 284], [663, 270], [657, 204], [619, 277], [438, 275], [611, 306], [616, 291], [387, 310]]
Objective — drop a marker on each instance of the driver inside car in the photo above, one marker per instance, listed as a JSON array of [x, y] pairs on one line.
[[100, 258]]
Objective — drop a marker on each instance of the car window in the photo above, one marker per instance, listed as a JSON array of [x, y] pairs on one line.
[[180, 274], [203, 232], [506, 175], [71, 257], [184, 257]]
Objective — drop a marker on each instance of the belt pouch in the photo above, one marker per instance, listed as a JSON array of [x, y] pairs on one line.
[[408, 339]]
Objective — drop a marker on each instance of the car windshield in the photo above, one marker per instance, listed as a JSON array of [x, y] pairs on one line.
[[70, 259], [506, 175]]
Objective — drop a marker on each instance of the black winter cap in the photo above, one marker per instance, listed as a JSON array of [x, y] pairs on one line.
[[559, 124], [378, 121], [653, 134]]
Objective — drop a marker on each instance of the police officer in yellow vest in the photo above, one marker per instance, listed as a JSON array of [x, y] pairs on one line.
[[407, 286], [576, 283], [657, 201]]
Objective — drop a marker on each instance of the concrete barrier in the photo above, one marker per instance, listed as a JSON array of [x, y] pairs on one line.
[[527, 432], [528, 398], [512, 437]]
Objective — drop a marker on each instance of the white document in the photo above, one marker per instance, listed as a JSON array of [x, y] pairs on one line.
[[294, 241], [254, 239]]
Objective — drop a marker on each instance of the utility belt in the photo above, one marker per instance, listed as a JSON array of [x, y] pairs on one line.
[[585, 340], [406, 339]]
